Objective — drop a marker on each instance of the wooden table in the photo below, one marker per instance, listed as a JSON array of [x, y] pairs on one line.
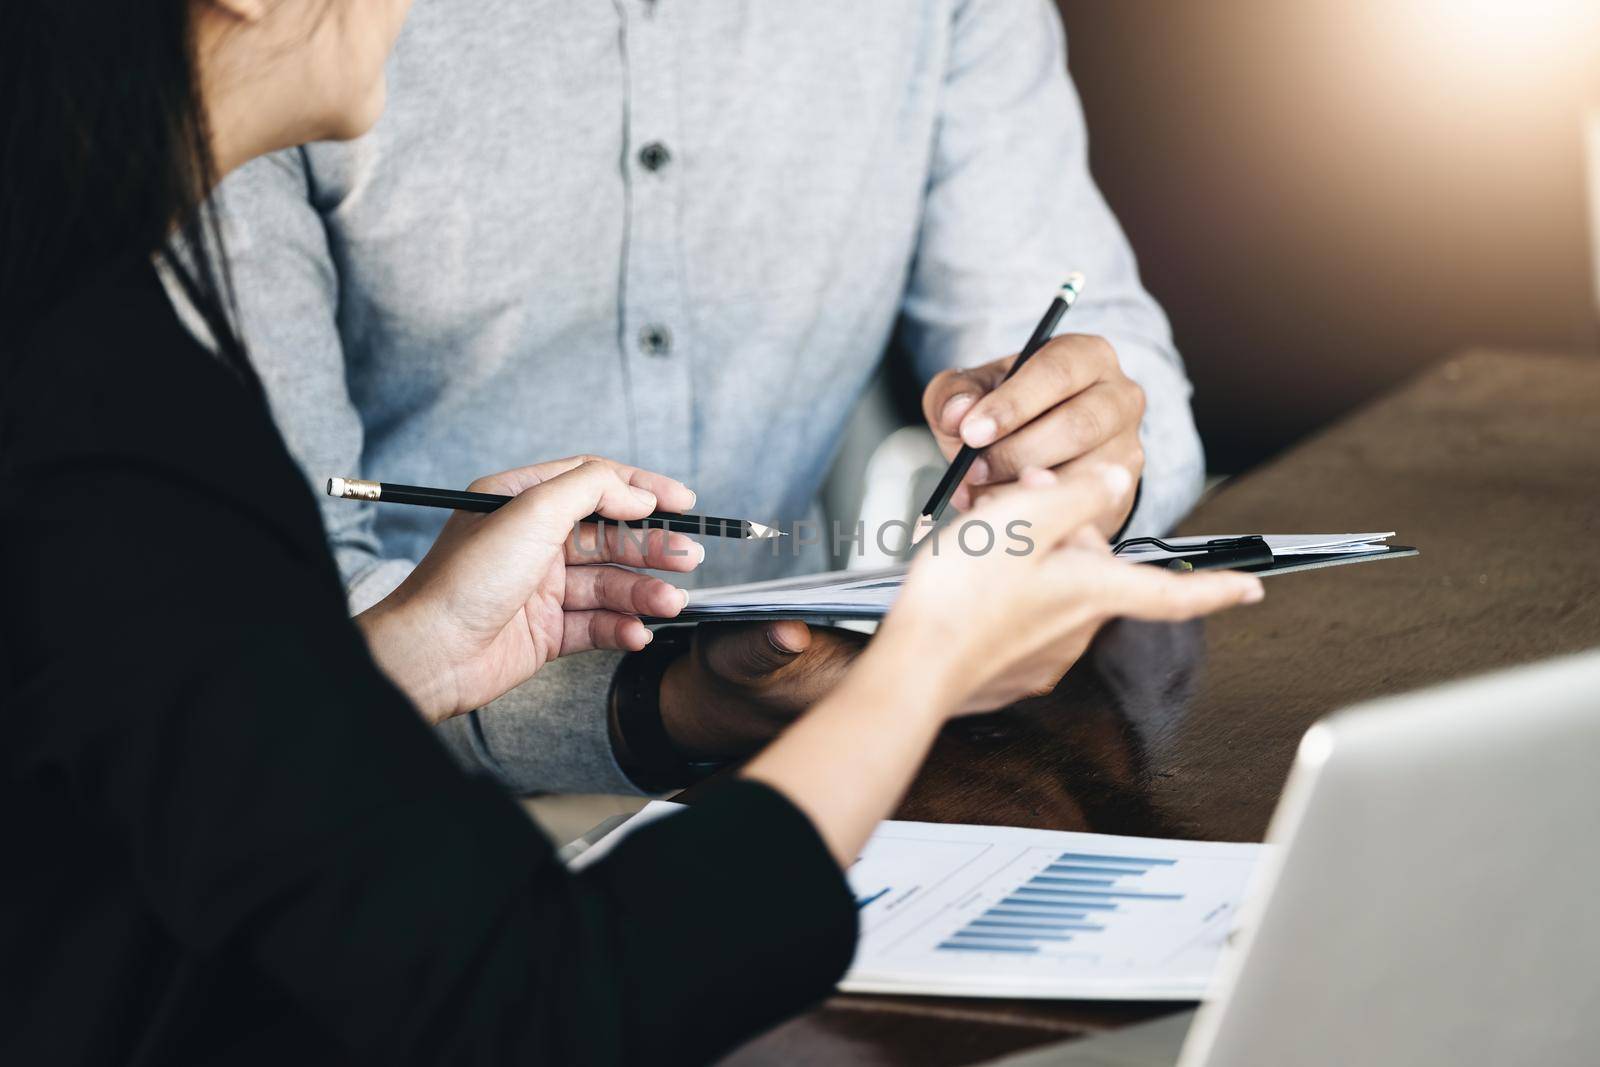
[[1490, 463]]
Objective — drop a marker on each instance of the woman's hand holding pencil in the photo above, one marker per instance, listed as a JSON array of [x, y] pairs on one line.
[[501, 594]]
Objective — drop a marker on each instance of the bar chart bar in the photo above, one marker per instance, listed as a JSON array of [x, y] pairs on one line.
[[1097, 894], [1007, 923], [1064, 905], [1073, 896], [864, 901], [1090, 857]]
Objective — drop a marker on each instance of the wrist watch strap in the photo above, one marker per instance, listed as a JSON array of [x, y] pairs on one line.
[[639, 738]]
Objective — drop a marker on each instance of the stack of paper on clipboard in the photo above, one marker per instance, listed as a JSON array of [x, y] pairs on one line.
[[841, 595]]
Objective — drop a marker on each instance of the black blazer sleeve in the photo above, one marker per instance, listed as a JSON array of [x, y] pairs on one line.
[[413, 911]]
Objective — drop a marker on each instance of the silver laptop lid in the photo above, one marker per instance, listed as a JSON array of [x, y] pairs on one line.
[[1434, 893]]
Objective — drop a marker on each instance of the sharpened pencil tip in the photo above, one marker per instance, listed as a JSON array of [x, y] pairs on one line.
[[1072, 288], [924, 527], [759, 532]]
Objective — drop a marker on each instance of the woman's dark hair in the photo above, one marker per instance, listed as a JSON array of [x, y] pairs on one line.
[[104, 155]]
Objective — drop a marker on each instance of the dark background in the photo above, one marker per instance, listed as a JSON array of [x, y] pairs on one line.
[[1327, 196]]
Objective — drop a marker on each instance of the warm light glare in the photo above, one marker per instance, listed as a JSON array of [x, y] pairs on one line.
[[1508, 23], [1486, 57], [1494, 32]]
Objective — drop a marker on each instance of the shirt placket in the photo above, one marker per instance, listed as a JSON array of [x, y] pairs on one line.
[[655, 335]]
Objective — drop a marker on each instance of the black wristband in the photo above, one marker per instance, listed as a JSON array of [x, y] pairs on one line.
[[639, 738]]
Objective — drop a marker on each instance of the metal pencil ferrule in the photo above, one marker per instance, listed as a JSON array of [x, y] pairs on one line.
[[354, 489]]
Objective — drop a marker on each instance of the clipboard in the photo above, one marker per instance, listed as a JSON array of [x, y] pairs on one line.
[[1250, 553], [1253, 555]]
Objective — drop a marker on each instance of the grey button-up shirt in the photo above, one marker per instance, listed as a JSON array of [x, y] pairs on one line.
[[681, 234]]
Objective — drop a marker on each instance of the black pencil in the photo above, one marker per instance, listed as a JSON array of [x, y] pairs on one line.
[[1065, 297], [458, 500]]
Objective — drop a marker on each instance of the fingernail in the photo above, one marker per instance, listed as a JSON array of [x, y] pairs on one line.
[[1254, 593], [693, 497], [649, 635], [772, 639], [683, 599], [1117, 479], [954, 408], [979, 431], [700, 556], [978, 474]]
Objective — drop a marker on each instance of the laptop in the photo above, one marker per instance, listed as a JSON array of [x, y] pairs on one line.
[[1433, 896]]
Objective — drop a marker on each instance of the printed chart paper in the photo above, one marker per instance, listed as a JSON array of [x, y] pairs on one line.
[[1005, 912], [998, 911]]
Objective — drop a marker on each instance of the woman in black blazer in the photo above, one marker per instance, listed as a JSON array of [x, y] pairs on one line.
[[189, 882]]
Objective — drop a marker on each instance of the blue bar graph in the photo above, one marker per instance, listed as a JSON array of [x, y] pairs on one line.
[[987, 923], [1065, 905], [1099, 893], [1070, 898], [1090, 857]]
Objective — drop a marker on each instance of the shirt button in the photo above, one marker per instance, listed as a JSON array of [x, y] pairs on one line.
[[655, 340], [654, 156]]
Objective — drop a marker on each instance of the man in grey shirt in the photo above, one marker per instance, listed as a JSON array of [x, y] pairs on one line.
[[683, 235]]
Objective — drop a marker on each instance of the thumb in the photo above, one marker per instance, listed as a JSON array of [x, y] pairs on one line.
[[747, 654], [952, 393], [593, 486], [505, 557]]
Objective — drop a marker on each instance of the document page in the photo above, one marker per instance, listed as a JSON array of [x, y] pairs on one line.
[[1004, 912], [869, 594]]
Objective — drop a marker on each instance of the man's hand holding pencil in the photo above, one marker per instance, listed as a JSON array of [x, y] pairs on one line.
[[1066, 405]]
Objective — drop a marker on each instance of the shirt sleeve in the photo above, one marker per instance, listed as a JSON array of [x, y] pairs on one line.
[[1010, 210], [281, 803], [287, 288], [549, 736]]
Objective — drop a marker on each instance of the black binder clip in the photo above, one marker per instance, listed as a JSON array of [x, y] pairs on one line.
[[1219, 553]]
